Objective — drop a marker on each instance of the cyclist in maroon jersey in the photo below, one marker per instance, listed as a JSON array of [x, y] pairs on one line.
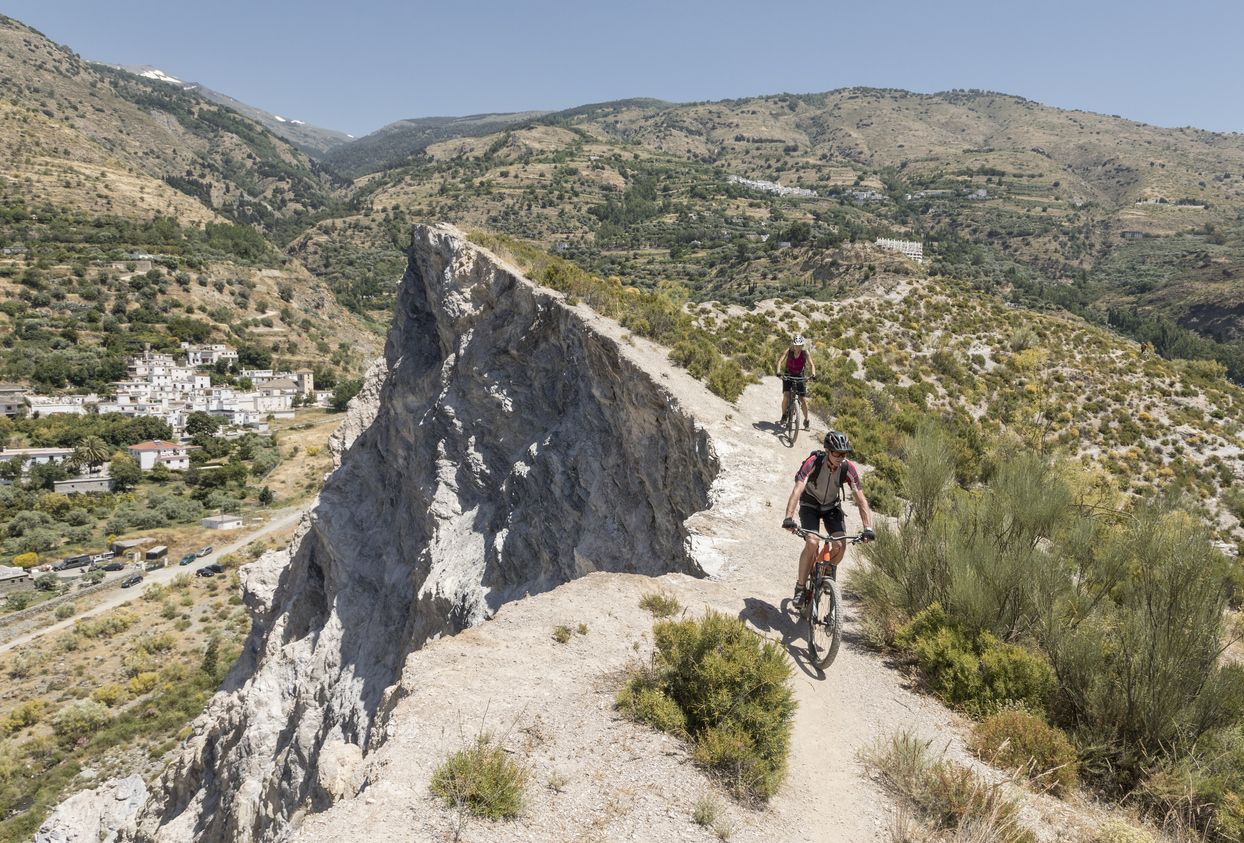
[[818, 494], [795, 361]]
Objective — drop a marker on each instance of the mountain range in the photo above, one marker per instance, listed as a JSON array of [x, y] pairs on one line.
[[1123, 223], [313, 140]]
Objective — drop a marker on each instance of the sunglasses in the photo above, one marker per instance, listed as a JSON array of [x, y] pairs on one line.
[[838, 454]]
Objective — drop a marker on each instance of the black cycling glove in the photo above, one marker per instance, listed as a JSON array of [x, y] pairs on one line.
[[788, 524], [868, 535]]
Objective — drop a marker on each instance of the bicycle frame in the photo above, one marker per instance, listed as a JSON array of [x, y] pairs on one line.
[[823, 607], [794, 408]]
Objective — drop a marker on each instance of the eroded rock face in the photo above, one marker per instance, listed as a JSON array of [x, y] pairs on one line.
[[500, 447], [95, 816]]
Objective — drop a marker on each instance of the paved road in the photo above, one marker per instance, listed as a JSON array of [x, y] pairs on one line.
[[163, 576]]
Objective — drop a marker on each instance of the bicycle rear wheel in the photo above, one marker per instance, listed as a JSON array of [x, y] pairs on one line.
[[824, 623]]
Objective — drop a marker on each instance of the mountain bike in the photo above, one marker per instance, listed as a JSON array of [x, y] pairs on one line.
[[798, 384], [822, 607]]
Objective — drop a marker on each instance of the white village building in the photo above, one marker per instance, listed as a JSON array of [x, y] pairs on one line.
[[208, 355], [12, 399], [155, 452]]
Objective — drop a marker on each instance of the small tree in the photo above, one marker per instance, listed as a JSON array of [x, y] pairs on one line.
[[125, 472], [344, 391], [200, 422], [48, 582], [26, 560], [266, 497]]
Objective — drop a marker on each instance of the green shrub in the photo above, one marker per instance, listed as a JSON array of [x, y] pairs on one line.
[[661, 604], [110, 695], [1017, 740], [79, 719], [723, 686], [64, 611], [18, 600], [977, 673], [482, 780], [650, 705], [144, 682], [561, 634]]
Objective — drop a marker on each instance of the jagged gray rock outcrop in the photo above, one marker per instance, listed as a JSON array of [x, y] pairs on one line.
[[500, 447], [95, 816]]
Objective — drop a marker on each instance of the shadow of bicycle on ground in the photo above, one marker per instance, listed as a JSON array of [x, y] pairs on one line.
[[777, 430], [785, 622]]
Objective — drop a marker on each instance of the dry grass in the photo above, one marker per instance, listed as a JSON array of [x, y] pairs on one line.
[[945, 796]]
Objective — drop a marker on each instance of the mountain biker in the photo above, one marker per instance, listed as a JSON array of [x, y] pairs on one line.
[[818, 494], [793, 362]]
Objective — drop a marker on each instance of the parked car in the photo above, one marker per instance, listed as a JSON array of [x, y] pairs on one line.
[[203, 551], [98, 560], [72, 562], [114, 566], [133, 579], [210, 570], [188, 558]]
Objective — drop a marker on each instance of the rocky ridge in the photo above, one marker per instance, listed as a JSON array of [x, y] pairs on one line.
[[499, 448]]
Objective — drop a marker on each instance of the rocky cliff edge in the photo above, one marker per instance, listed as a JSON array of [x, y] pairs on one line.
[[502, 446]]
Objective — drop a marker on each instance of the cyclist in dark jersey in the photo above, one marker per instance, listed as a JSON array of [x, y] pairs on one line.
[[818, 494], [795, 361]]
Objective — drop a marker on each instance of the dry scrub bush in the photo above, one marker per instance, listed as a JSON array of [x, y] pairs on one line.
[[723, 687], [945, 795], [1205, 789], [1117, 831], [107, 626], [482, 780], [1019, 741], [23, 716], [79, 719], [1127, 608]]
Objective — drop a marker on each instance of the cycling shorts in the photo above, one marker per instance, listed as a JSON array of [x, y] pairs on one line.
[[810, 518], [798, 387]]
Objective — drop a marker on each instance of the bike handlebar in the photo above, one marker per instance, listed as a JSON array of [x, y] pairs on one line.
[[856, 539]]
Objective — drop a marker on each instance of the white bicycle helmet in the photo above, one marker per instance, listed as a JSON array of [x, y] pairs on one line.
[[797, 341]]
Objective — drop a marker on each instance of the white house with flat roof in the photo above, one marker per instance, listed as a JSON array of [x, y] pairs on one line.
[[36, 456], [158, 452], [208, 355], [71, 405]]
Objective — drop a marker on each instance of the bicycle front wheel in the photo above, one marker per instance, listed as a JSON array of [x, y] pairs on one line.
[[825, 623], [792, 421]]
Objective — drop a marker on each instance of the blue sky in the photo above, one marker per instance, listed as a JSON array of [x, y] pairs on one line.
[[358, 65]]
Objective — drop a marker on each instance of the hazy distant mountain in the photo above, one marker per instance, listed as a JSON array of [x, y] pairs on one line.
[[389, 146], [313, 140], [396, 142]]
